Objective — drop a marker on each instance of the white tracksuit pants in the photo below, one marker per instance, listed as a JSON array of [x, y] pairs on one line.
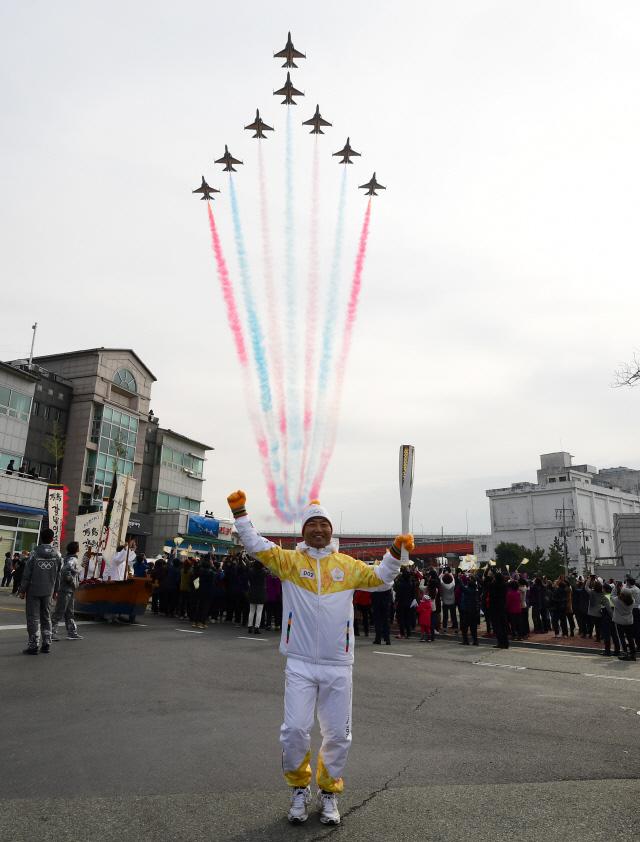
[[328, 687]]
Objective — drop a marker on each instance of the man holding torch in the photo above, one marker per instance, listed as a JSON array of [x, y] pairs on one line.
[[318, 583]]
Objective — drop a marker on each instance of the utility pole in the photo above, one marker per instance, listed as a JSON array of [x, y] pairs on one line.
[[562, 514], [583, 530], [34, 328]]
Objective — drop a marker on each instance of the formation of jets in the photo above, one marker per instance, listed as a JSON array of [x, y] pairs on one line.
[[317, 122]]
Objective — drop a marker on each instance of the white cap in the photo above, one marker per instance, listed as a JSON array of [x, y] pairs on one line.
[[314, 509]]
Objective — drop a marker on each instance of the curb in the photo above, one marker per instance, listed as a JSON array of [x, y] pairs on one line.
[[522, 644]]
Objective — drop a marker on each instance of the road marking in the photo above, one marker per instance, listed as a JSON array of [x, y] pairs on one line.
[[189, 631], [612, 677], [18, 627], [17, 610], [257, 639], [534, 669], [394, 654]]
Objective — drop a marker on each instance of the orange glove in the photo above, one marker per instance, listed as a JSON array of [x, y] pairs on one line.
[[401, 541], [236, 501]]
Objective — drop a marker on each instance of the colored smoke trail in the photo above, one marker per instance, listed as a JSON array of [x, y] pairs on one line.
[[255, 330], [311, 323], [291, 345], [257, 342], [328, 332], [227, 292], [241, 352], [274, 338], [352, 311]]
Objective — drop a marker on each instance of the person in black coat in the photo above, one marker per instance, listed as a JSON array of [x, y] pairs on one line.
[[498, 603], [204, 591], [381, 604], [405, 596], [257, 595]]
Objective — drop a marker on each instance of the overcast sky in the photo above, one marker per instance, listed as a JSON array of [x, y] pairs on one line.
[[501, 285]]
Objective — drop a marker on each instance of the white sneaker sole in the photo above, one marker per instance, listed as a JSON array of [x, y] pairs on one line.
[[324, 820], [296, 820]]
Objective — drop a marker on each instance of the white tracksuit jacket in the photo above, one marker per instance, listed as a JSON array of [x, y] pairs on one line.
[[317, 594]]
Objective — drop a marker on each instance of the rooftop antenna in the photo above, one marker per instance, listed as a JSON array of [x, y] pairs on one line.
[[34, 328]]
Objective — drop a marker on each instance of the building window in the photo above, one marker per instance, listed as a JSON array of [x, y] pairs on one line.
[[15, 404], [171, 502], [56, 414], [483, 548], [125, 380], [602, 540], [60, 396], [552, 479], [143, 494], [50, 392], [179, 461], [46, 411], [116, 436], [562, 479], [35, 408], [39, 387]]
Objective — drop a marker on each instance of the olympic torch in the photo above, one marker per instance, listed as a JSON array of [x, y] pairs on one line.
[[407, 454]]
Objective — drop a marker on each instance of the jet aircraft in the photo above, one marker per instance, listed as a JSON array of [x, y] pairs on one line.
[[259, 126], [371, 187], [316, 121], [347, 152], [288, 92], [289, 53], [206, 191], [228, 160]]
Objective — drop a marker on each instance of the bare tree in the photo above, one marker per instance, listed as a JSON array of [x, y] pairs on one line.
[[54, 444], [629, 373]]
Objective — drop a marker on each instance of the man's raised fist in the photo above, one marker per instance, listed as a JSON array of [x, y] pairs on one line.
[[236, 501], [405, 541]]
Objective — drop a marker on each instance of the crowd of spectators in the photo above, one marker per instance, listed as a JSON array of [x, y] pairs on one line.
[[238, 590], [515, 607], [430, 602]]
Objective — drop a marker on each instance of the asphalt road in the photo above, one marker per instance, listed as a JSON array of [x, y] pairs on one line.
[[153, 732]]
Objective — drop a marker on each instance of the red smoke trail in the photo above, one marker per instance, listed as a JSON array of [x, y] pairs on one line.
[[311, 323], [352, 311], [227, 292], [241, 352]]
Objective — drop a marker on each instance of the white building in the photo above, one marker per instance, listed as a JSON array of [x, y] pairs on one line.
[[566, 499]]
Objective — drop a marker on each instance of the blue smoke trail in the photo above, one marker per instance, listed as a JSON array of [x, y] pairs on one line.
[[257, 340], [328, 330], [292, 351]]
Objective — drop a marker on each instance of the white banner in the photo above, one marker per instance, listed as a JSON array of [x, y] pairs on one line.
[[87, 532], [120, 512], [56, 512]]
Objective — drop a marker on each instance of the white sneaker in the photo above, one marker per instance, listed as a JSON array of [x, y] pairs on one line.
[[328, 807], [300, 800]]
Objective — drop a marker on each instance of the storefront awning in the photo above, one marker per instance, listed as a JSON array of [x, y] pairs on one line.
[[22, 510]]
